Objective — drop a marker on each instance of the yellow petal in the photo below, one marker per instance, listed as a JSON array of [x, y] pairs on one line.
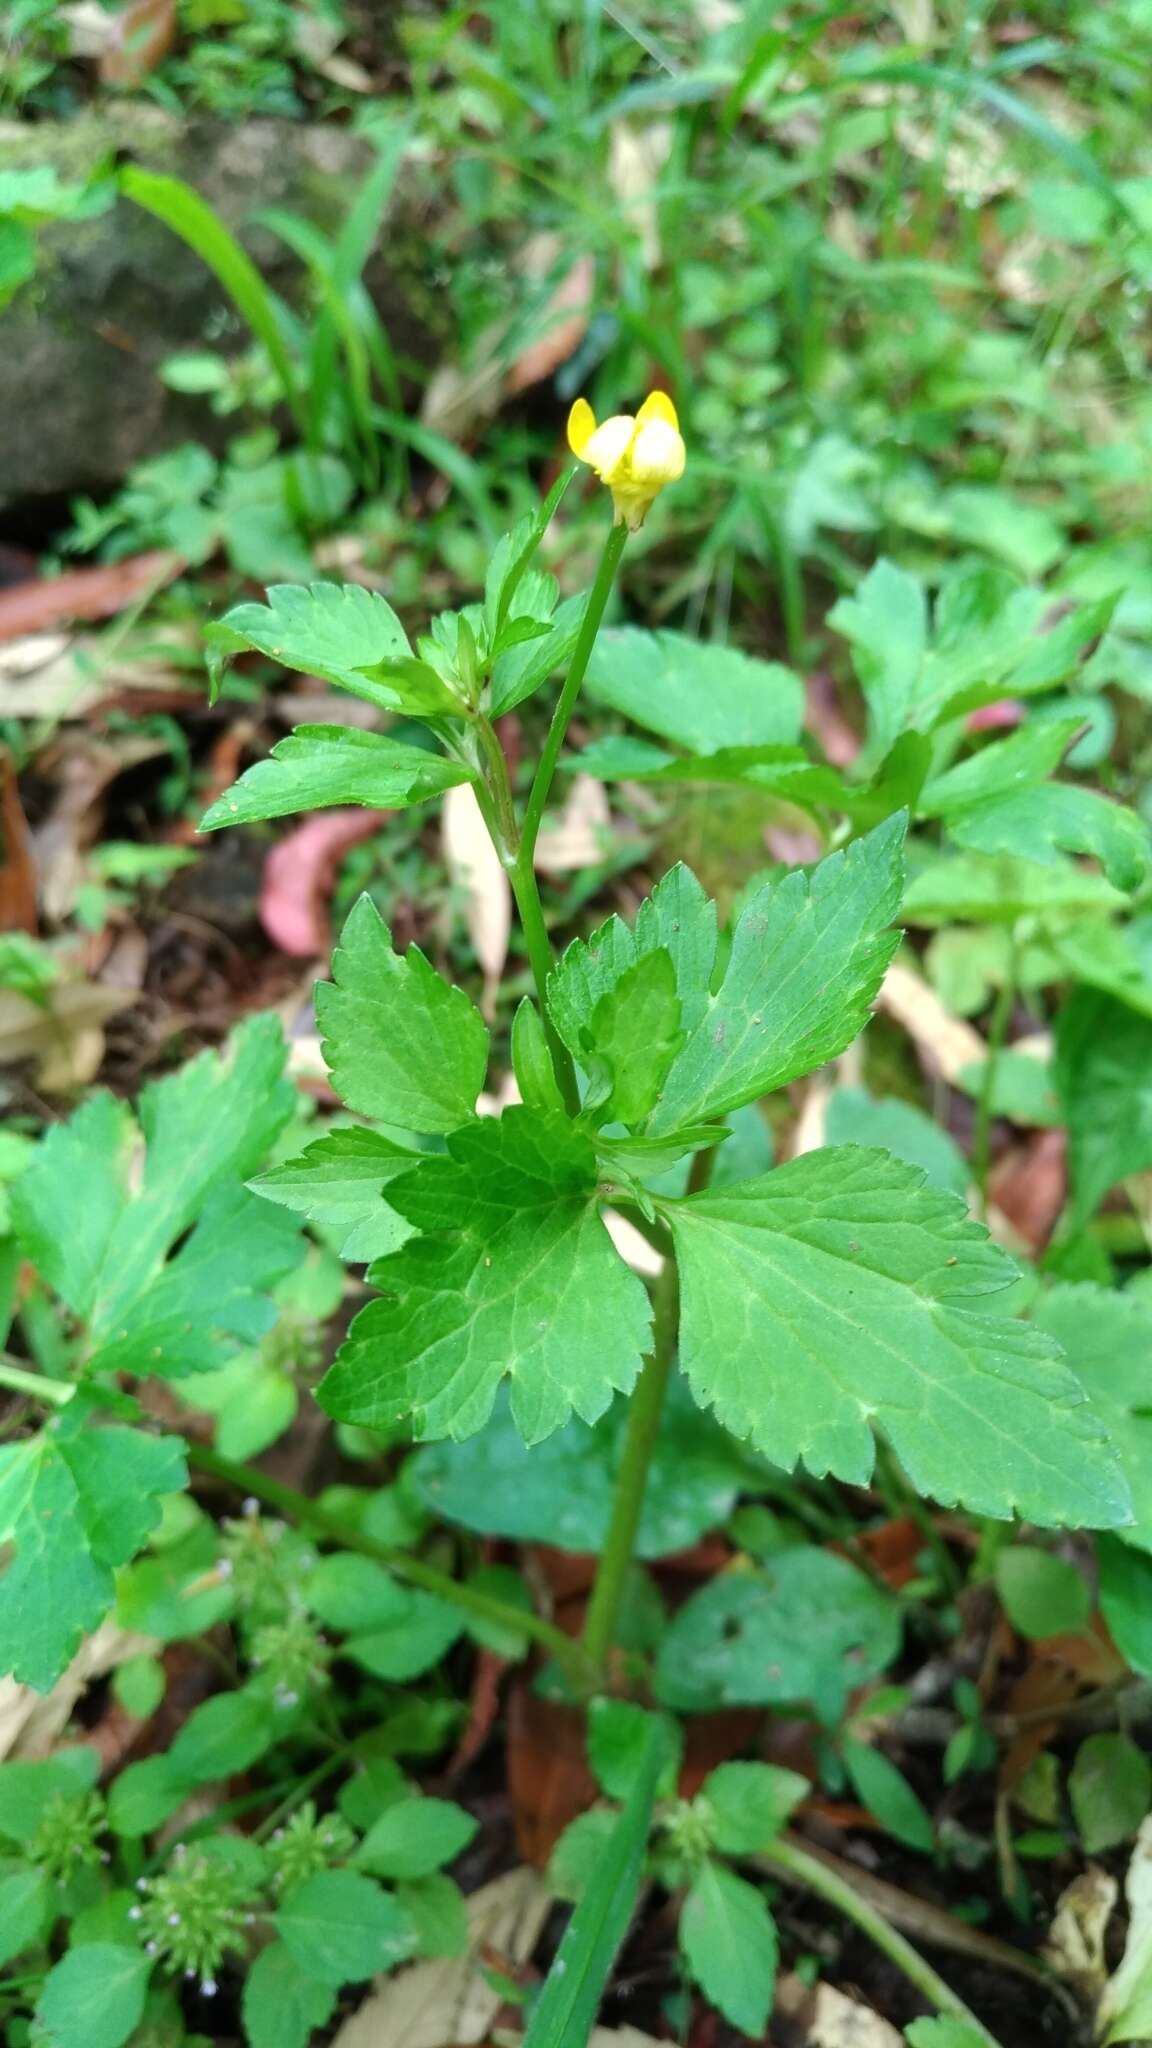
[[657, 454], [657, 406], [581, 426], [608, 446]]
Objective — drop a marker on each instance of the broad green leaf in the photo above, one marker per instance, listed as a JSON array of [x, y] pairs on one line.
[[1032, 825], [677, 918], [808, 953], [436, 1909], [999, 771], [856, 1118], [94, 1996], [786, 772], [514, 1275], [282, 2005], [698, 695], [138, 1685], [27, 1789], [839, 1293], [143, 1796], [560, 1491], [747, 1804], [1042, 1595], [1110, 1790], [71, 1198], [619, 1733], [222, 1737], [888, 1796], [635, 1036], [1125, 1586], [579, 1853], [808, 1627], [254, 1402], [887, 624], [394, 1631], [332, 630], [28, 1906], [402, 1045], [1107, 1342], [320, 765], [75, 1502], [414, 1838], [339, 1181], [728, 1940], [999, 889], [1104, 1075], [340, 1928]]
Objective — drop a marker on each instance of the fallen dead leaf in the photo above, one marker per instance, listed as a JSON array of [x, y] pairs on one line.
[[448, 2003], [564, 320], [65, 1035], [637, 153], [57, 676], [145, 32], [827, 2018], [98, 593], [578, 837], [81, 769], [1126, 2007], [17, 869], [549, 1781], [946, 1044], [298, 876], [31, 1722], [1075, 1944], [1028, 1188], [475, 868]]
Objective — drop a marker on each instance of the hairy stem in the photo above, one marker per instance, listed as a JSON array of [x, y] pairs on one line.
[[788, 1857]]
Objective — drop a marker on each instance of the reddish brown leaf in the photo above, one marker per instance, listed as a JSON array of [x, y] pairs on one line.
[[85, 593], [298, 878], [145, 31], [17, 870], [549, 1781], [1029, 1186]]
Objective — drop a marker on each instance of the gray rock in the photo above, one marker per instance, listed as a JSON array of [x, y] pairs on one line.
[[80, 400]]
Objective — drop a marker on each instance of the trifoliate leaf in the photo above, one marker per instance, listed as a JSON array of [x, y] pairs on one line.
[[75, 1501], [94, 1996], [320, 765], [282, 2004], [322, 629], [402, 1045], [701, 696], [339, 1181], [838, 1293], [1104, 1075], [340, 1927], [1107, 1339], [728, 1940], [514, 1275], [808, 953]]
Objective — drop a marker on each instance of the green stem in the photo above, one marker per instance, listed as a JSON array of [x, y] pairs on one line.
[[787, 1856], [997, 1033], [298, 1508], [57, 1393], [644, 1415], [539, 948]]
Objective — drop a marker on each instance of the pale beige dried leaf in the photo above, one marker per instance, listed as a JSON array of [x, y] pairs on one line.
[[447, 2003], [1075, 1944], [65, 1038], [91, 28], [578, 837], [633, 1248], [61, 676], [811, 1124], [1126, 2005], [947, 1044], [637, 153], [475, 868], [829, 2019], [31, 1722], [623, 2037]]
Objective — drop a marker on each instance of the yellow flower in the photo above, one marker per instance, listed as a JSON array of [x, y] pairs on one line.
[[634, 456]]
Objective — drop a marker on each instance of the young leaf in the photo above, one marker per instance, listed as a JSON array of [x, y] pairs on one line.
[[1110, 1789], [401, 1043], [728, 1939], [837, 1293], [702, 697], [94, 1996], [282, 2005], [677, 918], [224, 1736], [414, 1838], [415, 687], [339, 1181], [809, 1627], [532, 1062], [888, 1796], [808, 954], [619, 1733], [332, 630], [340, 1927], [635, 1032], [518, 672], [749, 1803], [75, 1502], [320, 765], [1104, 1074], [513, 1275]]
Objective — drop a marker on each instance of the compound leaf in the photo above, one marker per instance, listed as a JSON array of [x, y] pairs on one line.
[[339, 1181], [702, 697], [323, 629], [320, 765]]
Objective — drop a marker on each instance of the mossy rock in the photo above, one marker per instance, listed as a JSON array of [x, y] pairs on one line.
[[116, 294]]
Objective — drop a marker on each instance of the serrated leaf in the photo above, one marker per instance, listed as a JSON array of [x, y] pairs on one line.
[[1059, 815], [82, 1164], [514, 1275], [402, 1045], [1107, 1339], [75, 1501], [341, 1927], [677, 918], [635, 1036], [520, 671], [728, 1940], [889, 1124], [807, 1627], [786, 772], [415, 1837], [282, 2004], [808, 953], [887, 623], [323, 629], [1000, 770], [320, 765], [1104, 1075], [414, 686], [701, 696], [94, 1996], [838, 1293], [748, 1803], [339, 1181]]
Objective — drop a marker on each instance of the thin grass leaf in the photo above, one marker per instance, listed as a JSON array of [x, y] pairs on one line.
[[575, 1984], [466, 475]]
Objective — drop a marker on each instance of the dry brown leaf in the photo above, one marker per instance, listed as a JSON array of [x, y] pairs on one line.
[[475, 868], [564, 319], [57, 676], [98, 593], [447, 2003], [637, 153], [145, 32], [947, 1044], [17, 869], [577, 839], [828, 2019], [298, 874], [1075, 1944], [65, 1037], [31, 1722]]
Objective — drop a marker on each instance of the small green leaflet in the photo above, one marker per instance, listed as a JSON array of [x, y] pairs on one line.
[[1104, 1075], [886, 1793], [1107, 1339], [339, 1181], [837, 1294], [520, 671], [320, 765], [808, 953], [401, 1044], [728, 1939], [75, 1502], [636, 1033], [678, 918], [514, 1275], [887, 623], [414, 1838], [702, 697], [321, 629]]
